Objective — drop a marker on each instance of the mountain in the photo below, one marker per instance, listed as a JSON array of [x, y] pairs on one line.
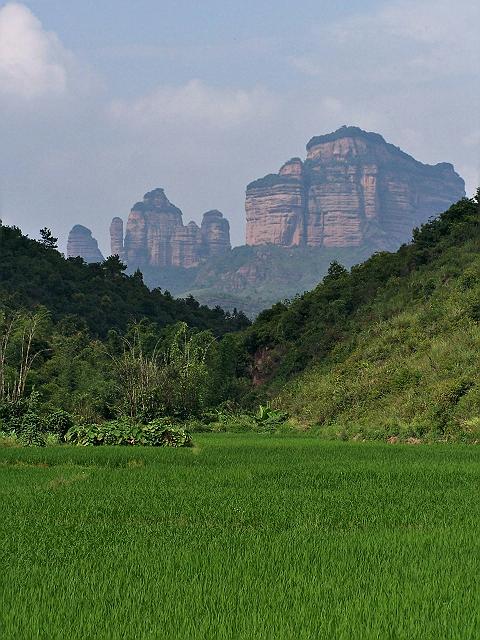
[[254, 277], [354, 194], [156, 236], [82, 243], [354, 189], [390, 347]]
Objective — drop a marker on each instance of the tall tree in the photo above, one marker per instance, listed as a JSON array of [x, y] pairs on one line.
[[48, 239]]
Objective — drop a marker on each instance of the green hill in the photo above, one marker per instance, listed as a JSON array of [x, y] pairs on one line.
[[87, 338], [100, 295], [391, 347]]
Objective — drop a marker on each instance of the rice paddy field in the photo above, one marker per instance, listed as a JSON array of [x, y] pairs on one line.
[[243, 536]]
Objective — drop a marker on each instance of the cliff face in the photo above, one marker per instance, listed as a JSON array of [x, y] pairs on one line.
[[353, 189], [156, 237], [352, 195], [116, 238], [215, 233], [275, 207], [82, 244]]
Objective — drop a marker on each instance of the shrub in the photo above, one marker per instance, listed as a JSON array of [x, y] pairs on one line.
[[31, 430], [59, 422], [265, 420], [8, 439], [156, 434], [268, 418], [124, 432], [23, 419]]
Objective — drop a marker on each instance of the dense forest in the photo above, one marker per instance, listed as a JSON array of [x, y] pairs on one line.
[[100, 297], [253, 278], [389, 348]]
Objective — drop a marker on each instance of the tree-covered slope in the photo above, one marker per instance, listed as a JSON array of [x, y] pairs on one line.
[[253, 278], [393, 344], [101, 295]]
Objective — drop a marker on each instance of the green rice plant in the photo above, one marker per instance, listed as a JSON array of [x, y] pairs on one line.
[[242, 536]]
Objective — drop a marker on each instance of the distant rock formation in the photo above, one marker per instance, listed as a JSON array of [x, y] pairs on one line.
[[353, 194], [156, 237], [116, 237], [354, 189], [215, 232], [82, 244]]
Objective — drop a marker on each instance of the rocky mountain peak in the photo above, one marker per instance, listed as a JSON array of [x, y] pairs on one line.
[[157, 201], [354, 133], [82, 244], [354, 189], [156, 236], [294, 167]]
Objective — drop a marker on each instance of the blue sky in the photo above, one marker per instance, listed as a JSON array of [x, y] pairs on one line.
[[102, 101]]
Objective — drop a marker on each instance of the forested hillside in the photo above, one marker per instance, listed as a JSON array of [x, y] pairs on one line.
[[390, 348], [91, 340], [100, 295], [393, 343]]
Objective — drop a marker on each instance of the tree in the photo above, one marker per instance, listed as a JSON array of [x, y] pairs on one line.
[[171, 379], [336, 270], [17, 352], [137, 276], [47, 238], [113, 267]]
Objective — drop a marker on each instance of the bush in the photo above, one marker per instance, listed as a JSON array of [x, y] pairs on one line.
[[31, 430], [22, 418], [265, 420], [268, 418], [156, 434], [59, 422], [8, 439], [124, 432]]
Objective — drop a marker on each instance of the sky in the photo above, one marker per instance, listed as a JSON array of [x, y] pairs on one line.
[[101, 101]]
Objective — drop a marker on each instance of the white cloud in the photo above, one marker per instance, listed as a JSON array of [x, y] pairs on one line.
[[194, 104], [33, 62]]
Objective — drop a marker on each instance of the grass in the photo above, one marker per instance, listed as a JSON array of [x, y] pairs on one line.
[[409, 364], [245, 537]]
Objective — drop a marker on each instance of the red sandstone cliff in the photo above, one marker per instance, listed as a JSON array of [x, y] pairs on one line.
[[82, 244], [354, 189], [156, 237]]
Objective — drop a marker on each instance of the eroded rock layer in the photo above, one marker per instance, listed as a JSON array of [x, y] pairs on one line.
[[156, 236], [353, 189], [82, 244]]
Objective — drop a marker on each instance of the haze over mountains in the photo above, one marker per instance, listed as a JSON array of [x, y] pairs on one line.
[[354, 194]]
